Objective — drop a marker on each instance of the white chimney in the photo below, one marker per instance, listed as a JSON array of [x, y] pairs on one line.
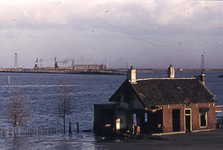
[[131, 75], [171, 72], [201, 78]]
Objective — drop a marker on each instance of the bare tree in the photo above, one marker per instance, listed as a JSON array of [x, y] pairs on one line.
[[17, 112], [64, 108]]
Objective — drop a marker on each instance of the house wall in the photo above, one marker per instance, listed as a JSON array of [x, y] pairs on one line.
[[168, 121], [103, 114], [131, 103], [97, 116], [211, 116], [167, 117], [124, 102], [123, 115], [127, 102], [136, 104]]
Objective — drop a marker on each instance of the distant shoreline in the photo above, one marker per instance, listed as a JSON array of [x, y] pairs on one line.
[[103, 72]]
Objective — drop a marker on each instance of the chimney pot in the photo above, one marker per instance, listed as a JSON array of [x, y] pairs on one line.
[[171, 72], [131, 75], [202, 78]]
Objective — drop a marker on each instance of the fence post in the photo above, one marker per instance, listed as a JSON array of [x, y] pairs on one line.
[[70, 128], [77, 127]]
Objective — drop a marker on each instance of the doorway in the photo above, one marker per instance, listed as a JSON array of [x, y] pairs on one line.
[[188, 120], [176, 119], [118, 124]]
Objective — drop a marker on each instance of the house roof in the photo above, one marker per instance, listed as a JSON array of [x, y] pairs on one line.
[[160, 91], [172, 91]]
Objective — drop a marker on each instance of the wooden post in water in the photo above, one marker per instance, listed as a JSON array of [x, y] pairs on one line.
[[70, 128], [8, 80], [77, 127]]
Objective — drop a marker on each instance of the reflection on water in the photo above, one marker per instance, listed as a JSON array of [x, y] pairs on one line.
[[85, 90], [49, 142]]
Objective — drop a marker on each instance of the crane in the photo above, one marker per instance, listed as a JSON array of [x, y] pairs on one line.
[[202, 64], [55, 63], [72, 65], [36, 64]]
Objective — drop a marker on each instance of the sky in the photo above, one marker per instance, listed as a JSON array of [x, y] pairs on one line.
[[117, 33]]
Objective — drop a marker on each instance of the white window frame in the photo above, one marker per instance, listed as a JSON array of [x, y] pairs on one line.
[[206, 119]]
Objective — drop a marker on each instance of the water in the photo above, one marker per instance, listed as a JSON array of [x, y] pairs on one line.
[[41, 92]]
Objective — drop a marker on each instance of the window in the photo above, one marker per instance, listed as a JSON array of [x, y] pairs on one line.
[[179, 88], [203, 119], [187, 111], [146, 119], [134, 119]]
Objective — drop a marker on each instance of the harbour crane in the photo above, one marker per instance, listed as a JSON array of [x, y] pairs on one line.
[[72, 65], [36, 64], [55, 63], [202, 64]]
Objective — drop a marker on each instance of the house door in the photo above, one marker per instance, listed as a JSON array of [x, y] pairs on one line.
[[176, 120], [188, 120]]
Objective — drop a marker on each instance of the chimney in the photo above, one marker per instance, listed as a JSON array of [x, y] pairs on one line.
[[202, 78], [131, 75], [171, 72]]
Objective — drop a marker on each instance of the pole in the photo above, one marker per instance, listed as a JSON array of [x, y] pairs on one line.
[[115, 111], [70, 128], [8, 80], [64, 130], [77, 127]]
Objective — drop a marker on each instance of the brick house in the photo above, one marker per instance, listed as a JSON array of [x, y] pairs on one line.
[[158, 105]]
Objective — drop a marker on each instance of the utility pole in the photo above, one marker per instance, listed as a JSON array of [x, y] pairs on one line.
[[16, 61]]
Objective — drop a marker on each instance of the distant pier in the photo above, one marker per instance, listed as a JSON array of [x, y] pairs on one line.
[[63, 71]]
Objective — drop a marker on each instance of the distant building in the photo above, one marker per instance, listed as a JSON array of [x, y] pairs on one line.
[[158, 105], [90, 67]]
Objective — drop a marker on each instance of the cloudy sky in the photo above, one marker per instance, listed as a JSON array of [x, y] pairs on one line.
[[143, 33]]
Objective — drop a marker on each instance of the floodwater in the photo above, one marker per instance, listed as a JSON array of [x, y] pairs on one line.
[[45, 128]]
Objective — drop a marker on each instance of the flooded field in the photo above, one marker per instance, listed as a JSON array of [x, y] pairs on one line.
[[41, 91]]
